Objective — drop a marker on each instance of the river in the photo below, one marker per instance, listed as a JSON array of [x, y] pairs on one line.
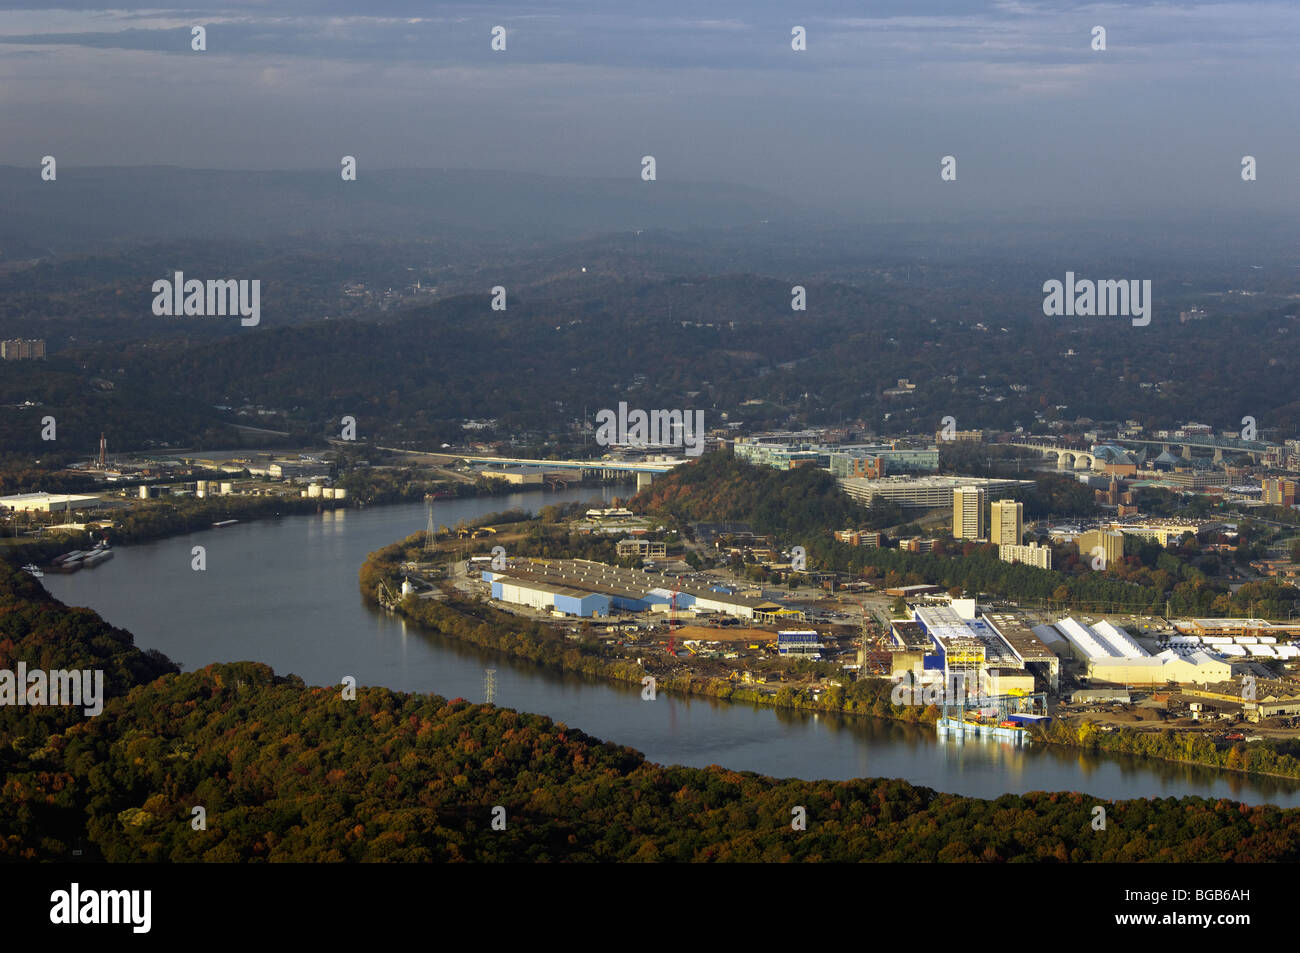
[[284, 592]]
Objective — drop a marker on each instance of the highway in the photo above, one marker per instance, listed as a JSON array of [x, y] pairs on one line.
[[630, 466]]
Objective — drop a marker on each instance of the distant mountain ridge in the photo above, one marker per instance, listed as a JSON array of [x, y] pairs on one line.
[[89, 205]]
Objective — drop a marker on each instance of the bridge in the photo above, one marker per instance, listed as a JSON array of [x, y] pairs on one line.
[[645, 470], [1066, 458], [1255, 449]]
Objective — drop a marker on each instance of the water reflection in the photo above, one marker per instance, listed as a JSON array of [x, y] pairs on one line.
[[284, 592]]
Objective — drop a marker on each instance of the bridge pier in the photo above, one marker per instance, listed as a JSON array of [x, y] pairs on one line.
[[643, 480]]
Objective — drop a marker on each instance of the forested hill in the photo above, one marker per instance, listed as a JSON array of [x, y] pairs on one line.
[[289, 772], [721, 488]]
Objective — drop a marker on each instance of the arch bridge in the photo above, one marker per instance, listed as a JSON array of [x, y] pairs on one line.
[[1066, 458]]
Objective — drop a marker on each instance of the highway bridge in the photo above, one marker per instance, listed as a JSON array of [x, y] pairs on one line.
[[1254, 448], [1069, 458], [644, 470]]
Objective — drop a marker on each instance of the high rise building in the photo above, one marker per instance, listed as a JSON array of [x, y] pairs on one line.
[[1007, 525], [20, 349], [1109, 542], [968, 512], [1279, 491]]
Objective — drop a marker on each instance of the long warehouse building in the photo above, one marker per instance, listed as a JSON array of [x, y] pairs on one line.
[[532, 583], [1111, 655]]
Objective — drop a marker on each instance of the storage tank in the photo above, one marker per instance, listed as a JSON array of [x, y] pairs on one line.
[[313, 490], [227, 489], [340, 493]]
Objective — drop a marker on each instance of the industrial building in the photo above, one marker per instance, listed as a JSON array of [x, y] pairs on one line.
[[1258, 628], [516, 477], [299, 470], [799, 644], [558, 599], [992, 652], [1112, 655], [49, 502], [1034, 655], [626, 590]]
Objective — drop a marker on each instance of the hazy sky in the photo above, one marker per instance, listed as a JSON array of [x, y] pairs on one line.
[[1013, 90]]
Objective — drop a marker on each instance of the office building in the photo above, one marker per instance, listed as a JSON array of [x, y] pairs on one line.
[[875, 462], [858, 537]]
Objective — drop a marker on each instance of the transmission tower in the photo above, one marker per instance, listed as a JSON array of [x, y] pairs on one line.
[[428, 539], [672, 619], [490, 684]]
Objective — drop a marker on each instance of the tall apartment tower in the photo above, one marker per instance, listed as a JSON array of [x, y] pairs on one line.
[[968, 512], [1279, 491], [1106, 544], [1007, 522]]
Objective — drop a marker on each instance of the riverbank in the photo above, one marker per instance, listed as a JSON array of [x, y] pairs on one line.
[[158, 520], [288, 771], [456, 617]]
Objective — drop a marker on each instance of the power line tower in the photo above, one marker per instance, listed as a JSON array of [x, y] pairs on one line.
[[672, 619], [490, 684], [428, 538]]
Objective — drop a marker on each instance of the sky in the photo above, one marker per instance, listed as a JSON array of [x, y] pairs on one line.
[[859, 121]]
